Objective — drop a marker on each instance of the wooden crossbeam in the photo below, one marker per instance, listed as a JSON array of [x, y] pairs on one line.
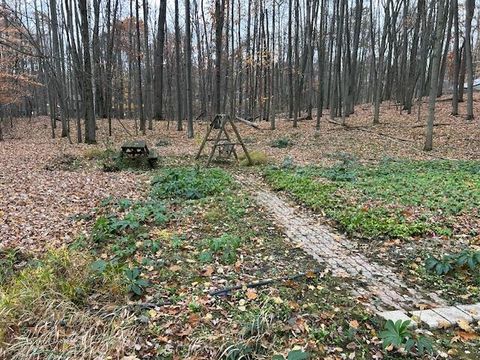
[[222, 120]]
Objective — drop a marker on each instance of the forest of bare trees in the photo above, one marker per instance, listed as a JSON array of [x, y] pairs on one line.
[[81, 61]]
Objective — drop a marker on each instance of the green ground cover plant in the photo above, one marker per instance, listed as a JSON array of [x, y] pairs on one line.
[[394, 199]]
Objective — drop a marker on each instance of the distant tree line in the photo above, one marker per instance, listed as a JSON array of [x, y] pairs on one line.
[[79, 61]]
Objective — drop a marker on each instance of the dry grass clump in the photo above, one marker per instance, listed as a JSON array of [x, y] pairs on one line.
[[257, 157], [94, 154], [62, 330], [47, 311]]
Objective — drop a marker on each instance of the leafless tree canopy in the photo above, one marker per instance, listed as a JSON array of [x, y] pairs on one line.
[[79, 61]]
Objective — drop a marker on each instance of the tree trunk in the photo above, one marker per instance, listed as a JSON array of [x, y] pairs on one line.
[[159, 59], [90, 136], [456, 53], [188, 54], [148, 68], [435, 68], [469, 8], [219, 20], [178, 70]]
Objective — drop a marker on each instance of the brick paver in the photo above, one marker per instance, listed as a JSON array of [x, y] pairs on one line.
[[379, 288], [378, 284]]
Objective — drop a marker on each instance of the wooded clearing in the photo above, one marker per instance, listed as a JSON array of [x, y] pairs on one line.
[[229, 179]]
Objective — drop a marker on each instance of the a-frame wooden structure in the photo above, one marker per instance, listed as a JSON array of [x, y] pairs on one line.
[[224, 144]]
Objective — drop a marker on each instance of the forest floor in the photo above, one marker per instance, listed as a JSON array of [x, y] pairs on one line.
[[189, 237]]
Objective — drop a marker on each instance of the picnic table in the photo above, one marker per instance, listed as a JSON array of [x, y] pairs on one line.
[[135, 148], [139, 148]]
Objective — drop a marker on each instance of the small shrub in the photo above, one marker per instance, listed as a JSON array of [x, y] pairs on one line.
[[110, 165], [345, 170], [116, 162], [288, 163], [281, 143], [102, 230], [135, 284], [441, 266], [98, 154], [63, 162], [162, 142], [398, 335], [469, 259], [224, 246], [257, 157]]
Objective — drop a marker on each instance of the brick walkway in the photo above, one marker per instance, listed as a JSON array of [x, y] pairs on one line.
[[379, 288]]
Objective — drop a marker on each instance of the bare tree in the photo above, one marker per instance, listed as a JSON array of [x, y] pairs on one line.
[[469, 9], [188, 55], [435, 71]]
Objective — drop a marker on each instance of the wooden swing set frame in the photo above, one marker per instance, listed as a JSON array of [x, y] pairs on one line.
[[225, 145]]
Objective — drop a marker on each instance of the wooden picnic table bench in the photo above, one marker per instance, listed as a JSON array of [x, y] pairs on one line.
[[140, 148], [135, 148]]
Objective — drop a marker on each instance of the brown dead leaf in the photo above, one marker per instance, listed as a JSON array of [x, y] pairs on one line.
[[444, 324], [467, 336], [208, 271], [251, 294], [354, 324], [185, 332], [424, 306], [465, 326], [175, 268], [351, 346], [193, 319]]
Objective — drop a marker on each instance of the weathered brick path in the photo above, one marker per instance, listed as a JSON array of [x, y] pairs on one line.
[[379, 288]]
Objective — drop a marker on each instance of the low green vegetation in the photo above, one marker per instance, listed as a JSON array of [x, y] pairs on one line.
[[281, 143], [149, 266], [112, 161], [394, 199], [64, 162], [117, 162], [57, 281], [98, 153], [163, 142], [225, 247], [190, 183], [399, 336], [293, 355], [467, 260]]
